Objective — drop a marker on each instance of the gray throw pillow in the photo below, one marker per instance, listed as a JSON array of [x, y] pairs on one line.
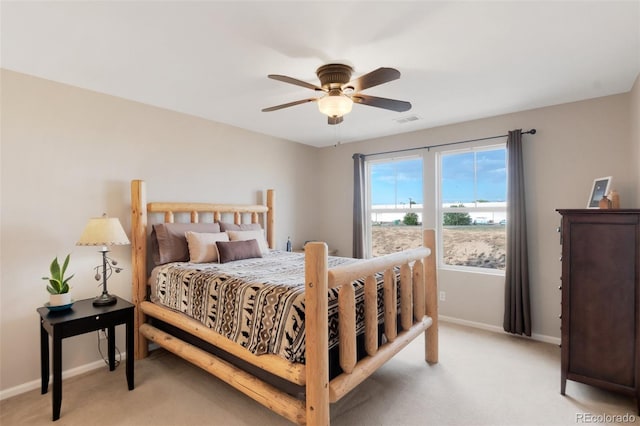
[[237, 250], [225, 226], [169, 243]]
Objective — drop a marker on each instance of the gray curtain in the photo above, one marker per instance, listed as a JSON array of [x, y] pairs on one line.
[[358, 206], [517, 311]]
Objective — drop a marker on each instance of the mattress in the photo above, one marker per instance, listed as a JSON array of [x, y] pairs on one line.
[[257, 303]]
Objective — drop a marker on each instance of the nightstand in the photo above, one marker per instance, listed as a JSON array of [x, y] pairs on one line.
[[82, 318]]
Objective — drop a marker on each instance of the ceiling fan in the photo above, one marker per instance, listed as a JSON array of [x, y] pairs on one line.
[[341, 92]]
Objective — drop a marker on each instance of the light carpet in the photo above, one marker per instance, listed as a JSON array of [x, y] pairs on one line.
[[483, 378]]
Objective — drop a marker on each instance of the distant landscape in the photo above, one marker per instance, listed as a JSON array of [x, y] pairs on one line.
[[475, 245]]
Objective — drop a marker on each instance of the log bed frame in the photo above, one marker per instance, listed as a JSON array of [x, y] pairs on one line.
[[418, 314]]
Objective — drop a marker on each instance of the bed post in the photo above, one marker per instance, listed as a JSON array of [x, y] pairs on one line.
[[431, 293], [317, 334], [139, 262], [271, 221]]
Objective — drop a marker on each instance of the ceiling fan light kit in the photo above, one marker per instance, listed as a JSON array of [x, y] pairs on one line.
[[342, 92], [335, 105]]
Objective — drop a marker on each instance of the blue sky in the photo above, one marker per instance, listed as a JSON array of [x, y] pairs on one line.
[[397, 182]]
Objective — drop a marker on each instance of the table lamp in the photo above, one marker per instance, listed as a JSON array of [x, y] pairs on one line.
[[104, 231]]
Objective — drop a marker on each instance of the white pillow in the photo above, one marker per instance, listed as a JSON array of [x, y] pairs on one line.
[[250, 235], [202, 246]]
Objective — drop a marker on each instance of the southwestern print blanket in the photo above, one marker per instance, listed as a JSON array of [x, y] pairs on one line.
[[257, 303]]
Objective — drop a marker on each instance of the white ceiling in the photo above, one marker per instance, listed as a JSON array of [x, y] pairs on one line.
[[459, 60]]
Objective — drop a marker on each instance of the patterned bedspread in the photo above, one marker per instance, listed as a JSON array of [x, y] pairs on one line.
[[257, 303]]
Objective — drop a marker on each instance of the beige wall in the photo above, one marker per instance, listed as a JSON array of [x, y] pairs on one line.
[[69, 154], [575, 143]]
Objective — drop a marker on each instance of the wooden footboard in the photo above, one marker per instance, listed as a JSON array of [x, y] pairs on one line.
[[417, 311]]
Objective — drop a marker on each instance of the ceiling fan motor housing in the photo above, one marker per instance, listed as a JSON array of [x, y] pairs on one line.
[[334, 76]]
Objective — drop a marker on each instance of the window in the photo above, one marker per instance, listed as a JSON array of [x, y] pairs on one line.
[[473, 208], [395, 204]]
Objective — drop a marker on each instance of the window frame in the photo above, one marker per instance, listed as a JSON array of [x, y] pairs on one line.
[[440, 210], [368, 195]]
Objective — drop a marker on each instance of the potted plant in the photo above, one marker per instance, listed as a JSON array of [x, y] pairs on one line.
[[58, 286]]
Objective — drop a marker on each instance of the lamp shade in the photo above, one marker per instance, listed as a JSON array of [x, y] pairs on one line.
[[103, 231], [335, 105]]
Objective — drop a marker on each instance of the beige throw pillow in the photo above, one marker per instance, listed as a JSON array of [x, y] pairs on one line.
[[202, 246], [257, 235]]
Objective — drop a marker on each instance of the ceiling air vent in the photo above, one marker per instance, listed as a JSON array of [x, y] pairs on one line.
[[407, 119]]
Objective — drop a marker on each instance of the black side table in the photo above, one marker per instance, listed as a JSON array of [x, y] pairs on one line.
[[81, 318]]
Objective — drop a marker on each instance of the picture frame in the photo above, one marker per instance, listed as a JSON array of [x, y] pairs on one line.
[[600, 188]]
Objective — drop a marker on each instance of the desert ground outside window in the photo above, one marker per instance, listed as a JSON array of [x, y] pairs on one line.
[[472, 209], [395, 204]]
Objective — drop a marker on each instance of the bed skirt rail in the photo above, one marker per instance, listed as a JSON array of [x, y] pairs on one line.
[[293, 372]]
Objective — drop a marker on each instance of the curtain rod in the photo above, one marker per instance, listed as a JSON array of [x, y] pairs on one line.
[[529, 132]]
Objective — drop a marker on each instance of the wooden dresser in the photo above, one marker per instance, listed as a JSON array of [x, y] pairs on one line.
[[601, 299]]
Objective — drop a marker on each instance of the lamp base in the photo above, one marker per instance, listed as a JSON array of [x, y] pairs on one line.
[[105, 299]]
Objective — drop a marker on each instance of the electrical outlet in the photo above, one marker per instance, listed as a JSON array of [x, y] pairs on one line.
[[103, 334], [443, 296]]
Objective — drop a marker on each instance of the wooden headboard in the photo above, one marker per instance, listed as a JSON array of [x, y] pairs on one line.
[[139, 221]]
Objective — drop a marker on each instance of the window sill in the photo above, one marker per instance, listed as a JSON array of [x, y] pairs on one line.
[[473, 270]]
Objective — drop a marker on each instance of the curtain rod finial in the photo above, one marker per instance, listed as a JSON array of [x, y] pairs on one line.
[[532, 131]]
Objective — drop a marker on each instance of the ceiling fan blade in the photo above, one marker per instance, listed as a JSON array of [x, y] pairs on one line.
[[290, 104], [335, 120], [295, 81], [374, 78], [374, 101]]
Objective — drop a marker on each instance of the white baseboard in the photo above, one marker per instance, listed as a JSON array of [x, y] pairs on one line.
[[496, 329], [36, 384]]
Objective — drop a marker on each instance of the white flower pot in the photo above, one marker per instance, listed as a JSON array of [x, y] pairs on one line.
[[59, 299]]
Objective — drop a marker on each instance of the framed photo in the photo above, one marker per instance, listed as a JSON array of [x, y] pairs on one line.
[[599, 189]]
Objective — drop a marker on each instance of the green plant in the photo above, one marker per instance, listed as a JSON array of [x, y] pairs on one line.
[[58, 284], [457, 219], [410, 219]]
